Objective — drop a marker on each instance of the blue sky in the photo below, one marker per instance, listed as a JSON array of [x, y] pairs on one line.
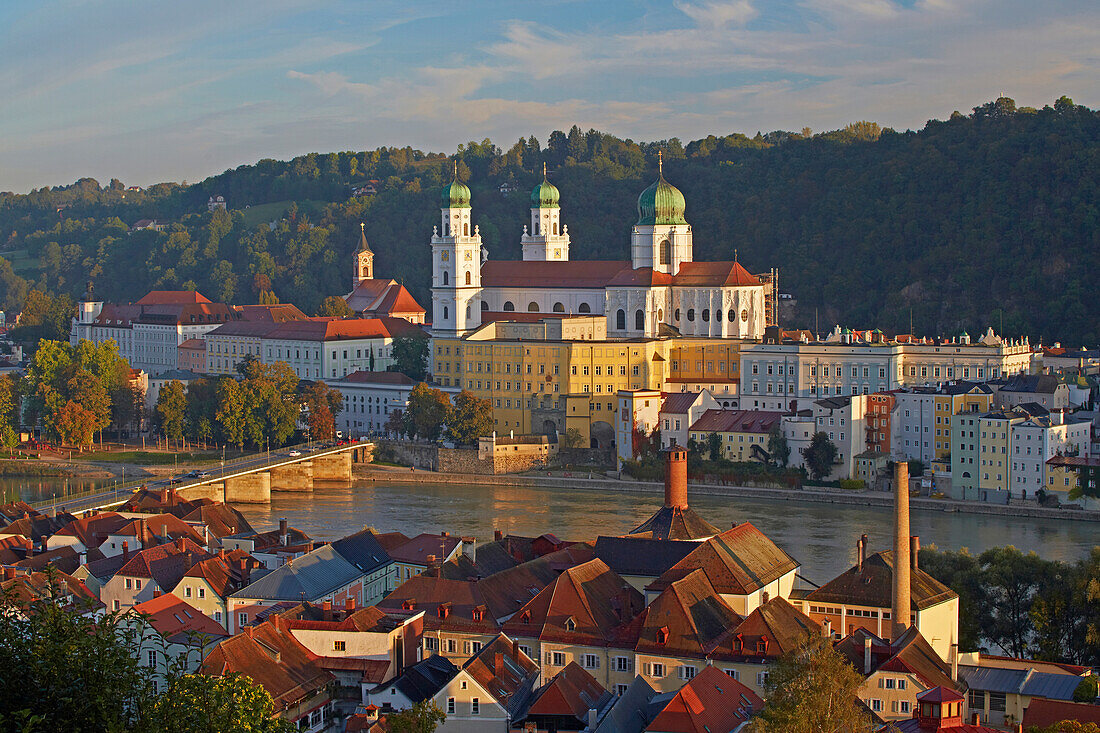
[[155, 91]]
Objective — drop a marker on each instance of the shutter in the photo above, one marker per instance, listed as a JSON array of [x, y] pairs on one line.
[[629, 664], [648, 669], [597, 662], [881, 682], [548, 657]]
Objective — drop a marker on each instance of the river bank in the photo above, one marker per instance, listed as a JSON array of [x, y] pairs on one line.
[[818, 495]]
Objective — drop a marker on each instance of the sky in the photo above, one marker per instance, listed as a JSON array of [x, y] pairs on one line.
[[170, 91]]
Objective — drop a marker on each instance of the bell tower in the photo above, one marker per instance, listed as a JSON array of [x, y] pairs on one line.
[[548, 238], [364, 260], [456, 265], [661, 239]]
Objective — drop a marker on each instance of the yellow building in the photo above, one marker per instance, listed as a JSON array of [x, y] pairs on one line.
[[1065, 474], [995, 434], [953, 399], [539, 381], [744, 433], [711, 364]]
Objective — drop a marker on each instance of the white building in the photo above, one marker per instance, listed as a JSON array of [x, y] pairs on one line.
[[843, 420], [1035, 441], [638, 410], [911, 424], [369, 400], [333, 349], [679, 411], [659, 291]]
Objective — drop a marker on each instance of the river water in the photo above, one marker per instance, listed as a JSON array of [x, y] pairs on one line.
[[821, 537]]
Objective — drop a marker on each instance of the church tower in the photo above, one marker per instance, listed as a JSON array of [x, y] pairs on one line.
[[662, 237], [547, 239], [364, 260], [456, 265]]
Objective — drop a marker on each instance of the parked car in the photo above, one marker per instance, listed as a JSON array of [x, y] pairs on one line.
[[294, 453]]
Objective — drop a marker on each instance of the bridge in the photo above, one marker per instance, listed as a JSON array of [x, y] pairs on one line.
[[246, 480]]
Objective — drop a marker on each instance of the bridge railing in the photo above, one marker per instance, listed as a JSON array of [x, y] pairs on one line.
[[121, 489]]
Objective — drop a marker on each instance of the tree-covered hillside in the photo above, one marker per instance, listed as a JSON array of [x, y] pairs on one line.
[[981, 219]]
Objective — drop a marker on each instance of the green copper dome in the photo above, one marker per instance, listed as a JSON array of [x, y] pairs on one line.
[[456, 195], [661, 203], [545, 195]]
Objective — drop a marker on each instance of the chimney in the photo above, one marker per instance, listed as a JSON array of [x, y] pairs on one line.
[[902, 565], [975, 718], [156, 592], [955, 662], [284, 534], [866, 655], [515, 649], [249, 630], [676, 478], [349, 604], [914, 551], [125, 549], [179, 544], [863, 550], [9, 573], [827, 629], [498, 665], [859, 555], [326, 609], [593, 718], [245, 571], [497, 535]]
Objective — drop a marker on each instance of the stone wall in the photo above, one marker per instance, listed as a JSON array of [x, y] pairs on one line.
[[585, 457], [251, 488], [293, 477], [463, 460], [333, 467], [455, 460]]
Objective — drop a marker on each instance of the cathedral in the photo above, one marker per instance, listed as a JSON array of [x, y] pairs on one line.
[[659, 291]]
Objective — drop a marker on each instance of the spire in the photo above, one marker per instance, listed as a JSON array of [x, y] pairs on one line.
[[544, 170], [456, 169], [660, 165], [363, 246]]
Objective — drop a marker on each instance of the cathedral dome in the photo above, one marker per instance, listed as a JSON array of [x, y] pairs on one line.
[[456, 195], [661, 203], [545, 195]]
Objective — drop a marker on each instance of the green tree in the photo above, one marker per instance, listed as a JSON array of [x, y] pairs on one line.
[[272, 406], [334, 305], [571, 438], [470, 418], [1088, 690], [231, 411], [171, 410], [778, 449], [963, 573], [423, 717], [820, 456], [813, 689], [1012, 580], [426, 412], [197, 703], [75, 425], [86, 390], [410, 356]]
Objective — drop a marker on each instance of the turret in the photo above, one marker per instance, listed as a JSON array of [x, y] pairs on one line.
[[661, 239], [364, 260], [547, 238], [456, 265]]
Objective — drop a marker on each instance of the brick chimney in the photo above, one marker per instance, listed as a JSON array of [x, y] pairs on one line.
[[676, 494], [349, 604], [859, 555], [497, 535], [902, 563], [125, 550], [914, 551], [284, 532], [326, 610], [245, 571]]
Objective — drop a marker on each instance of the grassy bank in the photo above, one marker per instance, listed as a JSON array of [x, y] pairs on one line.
[[26, 468], [154, 458]]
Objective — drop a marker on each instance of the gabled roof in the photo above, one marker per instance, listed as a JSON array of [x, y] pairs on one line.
[[674, 523], [25, 588], [447, 604], [643, 277], [594, 274], [873, 586], [383, 297], [178, 621], [689, 616], [712, 274], [273, 659], [571, 693], [736, 421], [1030, 682], [510, 685], [505, 592], [325, 330], [911, 653], [165, 564], [424, 679], [784, 626], [632, 710], [417, 550], [306, 578], [157, 529], [37, 526], [711, 701], [223, 571], [739, 561], [587, 604], [92, 531], [678, 403], [173, 297], [362, 550], [642, 556], [220, 519], [277, 313], [1031, 383]]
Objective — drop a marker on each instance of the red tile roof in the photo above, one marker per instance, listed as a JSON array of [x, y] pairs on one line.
[[704, 274], [223, 571], [873, 586], [27, 587], [688, 618], [1043, 713], [173, 618], [572, 693], [595, 274], [92, 531], [736, 421], [166, 564], [738, 561], [316, 329], [643, 277], [173, 297], [417, 550], [279, 313], [678, 403], [711, 701], [517, 673]]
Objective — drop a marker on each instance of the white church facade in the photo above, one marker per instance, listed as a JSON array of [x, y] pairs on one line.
[[659, 291]]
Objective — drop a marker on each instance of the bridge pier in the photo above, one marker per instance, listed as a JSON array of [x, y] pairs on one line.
[[214, 492], [251, 488], [333, 467], [293, 477]]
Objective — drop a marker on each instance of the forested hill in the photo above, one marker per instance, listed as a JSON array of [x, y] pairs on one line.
[[950, 225]]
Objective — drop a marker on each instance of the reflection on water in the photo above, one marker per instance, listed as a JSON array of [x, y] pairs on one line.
[[820, 536], [38, 488]]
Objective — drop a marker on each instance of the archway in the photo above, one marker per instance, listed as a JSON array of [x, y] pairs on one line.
[[603, 435], [509, 306]]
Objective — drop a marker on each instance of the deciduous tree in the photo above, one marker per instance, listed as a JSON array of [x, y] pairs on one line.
[[322, 404], [171, 410], [426, 412], [410, 356], [197, 703], [820, 456], [334, 305], [423, 717], [470, 418]]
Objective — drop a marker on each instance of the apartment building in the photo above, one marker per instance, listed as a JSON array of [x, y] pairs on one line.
[[743, 433], [951, 399], [1036, 440], [370, 399], [843, 419]]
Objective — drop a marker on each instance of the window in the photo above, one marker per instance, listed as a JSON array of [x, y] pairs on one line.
[[475, 707], [904, 705], [446, 278], [591, 661], [620, 689], [666, 252], [691, 315], [876, 705], [622, 664], [558, 659], [639, 320], [620, 319], [559, 308], [450, 706], [242, 619], [889, 683], [733, 673], [901, 685], [187, 592], [153, 659], [977, 700], [202, 592], [658, 669], [339, 646], [687, 672], [532, 307], [997, 702], [509, 306]]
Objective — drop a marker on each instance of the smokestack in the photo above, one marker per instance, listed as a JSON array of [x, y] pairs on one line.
[[866, 655], [284, 534], [676, 493], [914, 551], [902, 563], [859, 555], [497, 535]]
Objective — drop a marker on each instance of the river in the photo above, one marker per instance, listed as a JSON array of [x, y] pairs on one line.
[[821, 537]]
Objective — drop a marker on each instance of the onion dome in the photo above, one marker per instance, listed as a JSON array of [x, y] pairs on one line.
[[545, 195], [661, 203], [456, 195]]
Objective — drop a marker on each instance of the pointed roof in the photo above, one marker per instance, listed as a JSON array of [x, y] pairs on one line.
[[512, 687], [571, 693], [873, 586], [176, 620], [363, 246], [781, 624], [674, 523], [711, 274], [688, 617], [165, 564], [711, 701]]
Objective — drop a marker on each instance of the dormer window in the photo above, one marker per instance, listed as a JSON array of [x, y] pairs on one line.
[[570, 624], [738, 644], [479, 614], [525, 617], [444, 610], [662, 635], [762, 645], [409, 604]]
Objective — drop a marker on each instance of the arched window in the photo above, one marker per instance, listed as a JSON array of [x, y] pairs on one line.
[[620, 319], [466, 229], [555, 228], [666, 252], [639, 320], [446, 313], [706, 315], [584, 308], [508, 307], [559, 308], [467, 312], [731, 316], [484, 305], [691, 315], [661, 314], [467, 277], [532, 307], [446, 278]]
